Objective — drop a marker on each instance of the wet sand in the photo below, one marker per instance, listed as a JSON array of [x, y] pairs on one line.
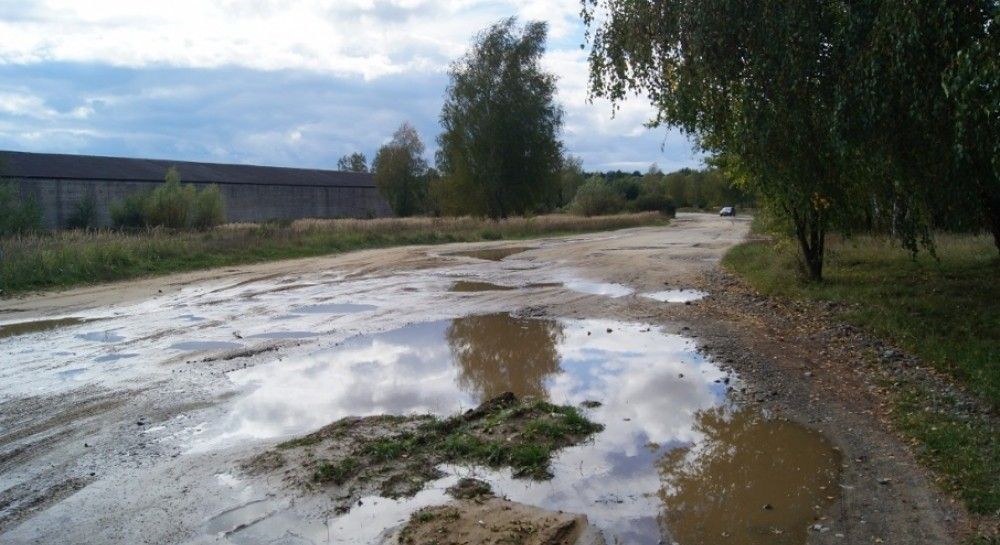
[[127, 419]]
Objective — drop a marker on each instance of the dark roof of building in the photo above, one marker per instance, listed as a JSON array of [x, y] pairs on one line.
[[49, 166]]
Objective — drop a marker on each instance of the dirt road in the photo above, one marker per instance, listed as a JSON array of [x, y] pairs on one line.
[[126, 409]]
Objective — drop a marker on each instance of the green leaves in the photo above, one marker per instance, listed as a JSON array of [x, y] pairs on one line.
[[499, 152], [400, 170], [879, 115]]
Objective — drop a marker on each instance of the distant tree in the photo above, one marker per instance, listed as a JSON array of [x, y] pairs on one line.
[[570, 179], [596, 197], [758, 87], [400, 171], [437, 194], [353, 162], [499, 149]]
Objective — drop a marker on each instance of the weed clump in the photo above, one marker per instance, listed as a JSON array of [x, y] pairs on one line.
[[395, 456]]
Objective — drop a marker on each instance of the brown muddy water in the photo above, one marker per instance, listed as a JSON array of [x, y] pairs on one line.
[[676, 462], [36, 326], [492, 254], [473, 286]]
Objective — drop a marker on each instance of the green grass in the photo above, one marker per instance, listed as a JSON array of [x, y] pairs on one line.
[[65, 259], [945, 311], [336, 472], [506, 432], [531, 433], [966, 450]]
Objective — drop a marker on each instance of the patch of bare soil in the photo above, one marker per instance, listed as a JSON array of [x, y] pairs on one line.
[[491, 521], [477, 516], [394, 456], [799, 361]]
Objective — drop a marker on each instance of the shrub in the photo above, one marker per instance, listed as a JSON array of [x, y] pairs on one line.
[[17, 214], [84, 214], [209, 209], [171, 203], [130, 212], [596, 198], [654, 202]]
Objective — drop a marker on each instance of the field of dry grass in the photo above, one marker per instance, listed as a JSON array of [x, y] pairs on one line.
[[68, 258]]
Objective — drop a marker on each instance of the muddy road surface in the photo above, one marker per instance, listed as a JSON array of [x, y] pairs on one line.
[[128, 410]]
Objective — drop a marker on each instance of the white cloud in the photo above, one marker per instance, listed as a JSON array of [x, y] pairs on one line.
[[360, 37], [362, 40]]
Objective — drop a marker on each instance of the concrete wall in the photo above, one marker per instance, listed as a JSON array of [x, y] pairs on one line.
[[244, 202]]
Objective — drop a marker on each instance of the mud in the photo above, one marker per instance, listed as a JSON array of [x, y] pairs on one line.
[[36, 326], [492, 254], [469, 285], [394, 456], [493, 521], [111, 434]]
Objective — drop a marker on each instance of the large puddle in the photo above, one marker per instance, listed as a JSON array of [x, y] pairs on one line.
[[675, 463]]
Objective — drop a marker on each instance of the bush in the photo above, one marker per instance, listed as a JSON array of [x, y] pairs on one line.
[[172, 204], [84, 214], [17, 215], [130, 212], [654, 202], [209, 209], [596, 198]]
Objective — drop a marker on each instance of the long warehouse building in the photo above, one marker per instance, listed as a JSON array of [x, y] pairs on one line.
[[58, 182]]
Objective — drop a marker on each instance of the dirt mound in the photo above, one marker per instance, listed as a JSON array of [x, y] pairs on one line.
[[493, 522], [394, 456]]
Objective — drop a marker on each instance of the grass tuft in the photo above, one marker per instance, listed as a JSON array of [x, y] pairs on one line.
[[504, 432], [335, 472]]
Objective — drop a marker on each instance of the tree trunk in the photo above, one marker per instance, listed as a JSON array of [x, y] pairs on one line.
[[991, 209], [811, 234]]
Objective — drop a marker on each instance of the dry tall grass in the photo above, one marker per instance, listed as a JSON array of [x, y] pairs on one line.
[[66, 258]]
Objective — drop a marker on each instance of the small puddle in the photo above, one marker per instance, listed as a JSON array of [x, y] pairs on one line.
[[492, 254], [114, 357], [675, 462], [23, 328], [108, 336], [608, 289], [473, 286], [284, 335], [676, 296], [333, 308], [193, 346]]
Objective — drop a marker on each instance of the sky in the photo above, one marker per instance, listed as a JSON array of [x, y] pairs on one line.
[[280, 82]]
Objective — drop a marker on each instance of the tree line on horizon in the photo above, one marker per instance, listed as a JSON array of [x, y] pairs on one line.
[[500, 154], [875, 116]]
